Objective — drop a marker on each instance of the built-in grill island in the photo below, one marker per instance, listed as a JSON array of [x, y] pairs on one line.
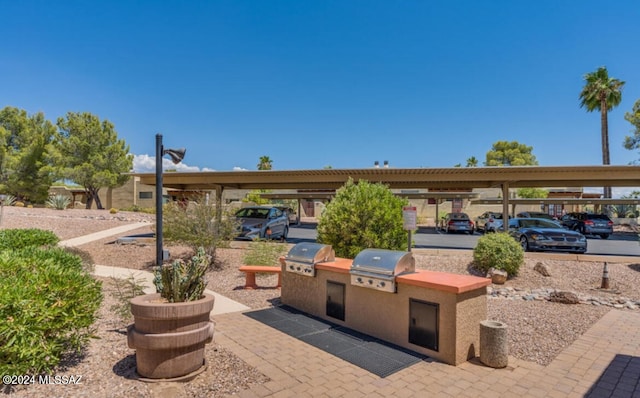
[[304, 256], [380, 293], [378, 268]]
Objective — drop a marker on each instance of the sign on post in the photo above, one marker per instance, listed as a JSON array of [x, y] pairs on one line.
[[409, 216]]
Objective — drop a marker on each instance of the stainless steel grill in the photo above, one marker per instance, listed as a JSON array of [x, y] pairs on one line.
[[303, 257], [378, 268]]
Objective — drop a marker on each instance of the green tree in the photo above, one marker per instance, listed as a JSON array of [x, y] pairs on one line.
[[504, 153], [633, 117], [363, 215], [472, 162], [602, 93], [532, 193], [89, 153], [265, 163], [24, 145]]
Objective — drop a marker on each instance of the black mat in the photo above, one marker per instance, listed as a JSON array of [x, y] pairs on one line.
[[371, 354]]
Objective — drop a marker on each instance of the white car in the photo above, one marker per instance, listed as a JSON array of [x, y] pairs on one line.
[[489, 221]]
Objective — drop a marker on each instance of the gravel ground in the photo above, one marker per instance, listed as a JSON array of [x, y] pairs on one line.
[[538, 329]]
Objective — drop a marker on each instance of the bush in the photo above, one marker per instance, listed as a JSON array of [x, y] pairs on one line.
[[264, 253], [59, 202], [123, 291], [113, 210], [47, 306], [197, 226], [499, 251], [362, 216], [20, 238]]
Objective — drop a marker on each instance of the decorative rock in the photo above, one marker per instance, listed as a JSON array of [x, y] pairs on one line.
[[542, 294], [541, 269], [564, 298], [499, 277]]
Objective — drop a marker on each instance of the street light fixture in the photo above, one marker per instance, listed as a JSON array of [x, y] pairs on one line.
[[176, 157]]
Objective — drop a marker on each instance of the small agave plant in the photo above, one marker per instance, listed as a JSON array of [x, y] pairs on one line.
[[182, 281], [59, 202]]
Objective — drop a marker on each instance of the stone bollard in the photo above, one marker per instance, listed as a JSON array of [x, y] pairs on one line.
[[494, 345]]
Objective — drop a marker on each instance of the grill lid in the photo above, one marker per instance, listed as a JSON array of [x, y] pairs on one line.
[[308, 252], [383, 262]]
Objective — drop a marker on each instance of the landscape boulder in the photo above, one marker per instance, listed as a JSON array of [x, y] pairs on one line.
[[499, 277], [541, 269], [564, 297]]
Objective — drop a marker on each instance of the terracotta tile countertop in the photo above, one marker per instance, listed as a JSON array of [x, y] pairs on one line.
[[452, 283]]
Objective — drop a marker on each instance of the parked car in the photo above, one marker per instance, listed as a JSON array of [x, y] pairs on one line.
[[291, 214], [262, 222], [489, 221], [588, 224], [535, 214], [458, 222], [546, 235]]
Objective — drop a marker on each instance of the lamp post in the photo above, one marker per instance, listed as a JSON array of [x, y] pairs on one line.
[[176, 157]]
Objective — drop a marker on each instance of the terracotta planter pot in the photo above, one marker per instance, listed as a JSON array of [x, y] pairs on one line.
[[169, 338]]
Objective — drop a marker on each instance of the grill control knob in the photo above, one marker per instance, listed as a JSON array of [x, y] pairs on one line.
[[370, 282], [382, 284], [359, 280], [298, 268]]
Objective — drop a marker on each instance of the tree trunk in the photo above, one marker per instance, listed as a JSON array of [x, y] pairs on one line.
[[94, 194], [89, 199], [604, 124]]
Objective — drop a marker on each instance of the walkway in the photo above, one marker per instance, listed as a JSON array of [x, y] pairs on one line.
[[222, 304], [604, 362]]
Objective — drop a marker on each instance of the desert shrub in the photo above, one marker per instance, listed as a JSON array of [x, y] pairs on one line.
[[363, 215], [201, 224], [59, 202], [264, 253], [124, 289], [48, 303], [499, 251], [19, 204], [21, 238], [113, 210]]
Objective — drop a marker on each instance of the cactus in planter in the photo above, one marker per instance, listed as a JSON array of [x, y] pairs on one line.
[[182, 281]]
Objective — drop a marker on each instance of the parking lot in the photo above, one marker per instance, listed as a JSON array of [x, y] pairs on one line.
[[618, 244]]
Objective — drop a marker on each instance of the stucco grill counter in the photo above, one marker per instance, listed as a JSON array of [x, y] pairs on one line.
[[380, 293]]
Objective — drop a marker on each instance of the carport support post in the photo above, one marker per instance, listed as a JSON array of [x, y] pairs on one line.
[[505, 206]]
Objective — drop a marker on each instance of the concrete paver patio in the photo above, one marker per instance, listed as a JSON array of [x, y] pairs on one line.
[[604, 362]]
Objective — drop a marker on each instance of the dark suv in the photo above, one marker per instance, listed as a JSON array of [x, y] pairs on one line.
[[588, 224]]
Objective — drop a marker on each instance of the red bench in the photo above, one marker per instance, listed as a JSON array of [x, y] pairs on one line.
[[250, 272]]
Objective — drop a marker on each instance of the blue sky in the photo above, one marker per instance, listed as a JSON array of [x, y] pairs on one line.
[[327, 83]]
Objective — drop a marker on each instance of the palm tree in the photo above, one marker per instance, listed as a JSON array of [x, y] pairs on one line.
[[264, 163], [602, 93], [472, 162]]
